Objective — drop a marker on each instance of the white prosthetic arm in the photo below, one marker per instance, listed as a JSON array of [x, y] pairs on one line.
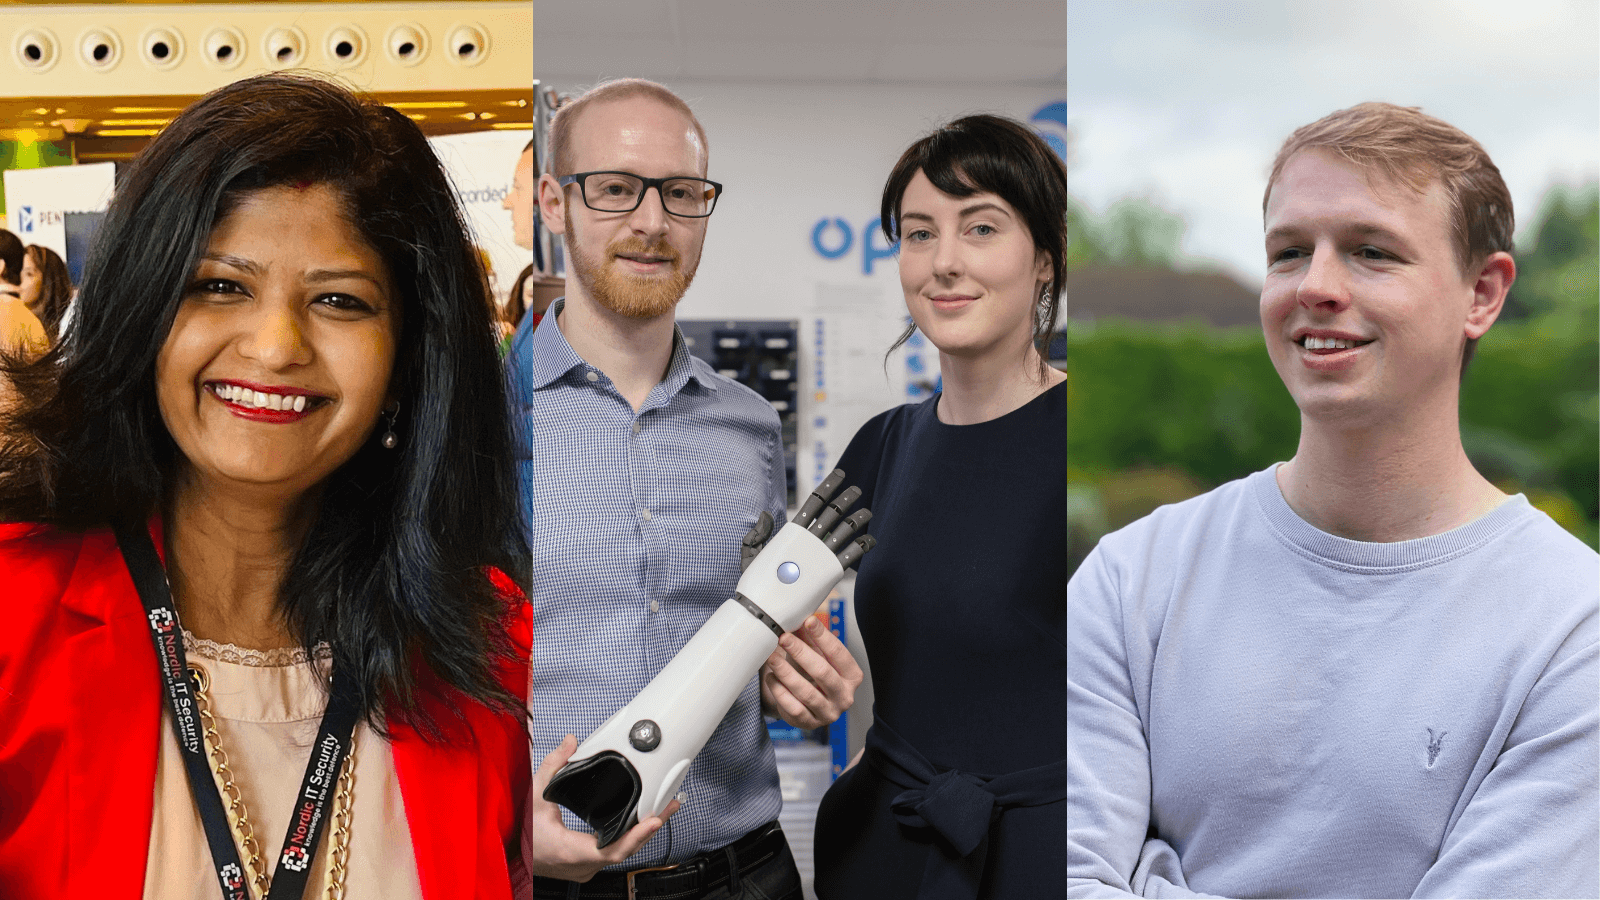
[[631, 766]]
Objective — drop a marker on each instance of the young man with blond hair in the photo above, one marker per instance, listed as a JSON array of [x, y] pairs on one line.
[[1367, 671], [643, 469]]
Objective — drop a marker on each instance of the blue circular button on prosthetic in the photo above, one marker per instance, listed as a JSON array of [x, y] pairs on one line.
[[788, 573]]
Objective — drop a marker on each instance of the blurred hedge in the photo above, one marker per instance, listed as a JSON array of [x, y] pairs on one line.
[[1206, 402], [1146, 395]]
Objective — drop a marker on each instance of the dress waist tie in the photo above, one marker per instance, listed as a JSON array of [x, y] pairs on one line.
[[959, 807]]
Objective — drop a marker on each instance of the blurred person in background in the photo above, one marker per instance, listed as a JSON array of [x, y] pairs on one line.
[[20, 329], [520, 199], [234, 566], [516, 307], [1366, 671], [12, 253], [486, 277], [962, 604], [46, 288], [520, 311]]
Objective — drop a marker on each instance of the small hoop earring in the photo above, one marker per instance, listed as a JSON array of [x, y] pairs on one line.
[[390, 439]]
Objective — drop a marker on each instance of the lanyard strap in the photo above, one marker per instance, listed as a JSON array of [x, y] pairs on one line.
[[309, 819]]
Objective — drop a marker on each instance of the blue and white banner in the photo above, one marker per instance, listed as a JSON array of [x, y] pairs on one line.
[[38, 200]]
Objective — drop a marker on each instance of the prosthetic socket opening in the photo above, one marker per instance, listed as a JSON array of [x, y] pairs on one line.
[[602, 790]]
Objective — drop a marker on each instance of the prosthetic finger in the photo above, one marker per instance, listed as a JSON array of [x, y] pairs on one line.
[[851, 524], [857, 549], [631, 766], [819, 497], [759, 532], [834, 511], [755, 539]]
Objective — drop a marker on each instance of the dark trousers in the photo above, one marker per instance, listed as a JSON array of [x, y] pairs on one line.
[[764, 867]]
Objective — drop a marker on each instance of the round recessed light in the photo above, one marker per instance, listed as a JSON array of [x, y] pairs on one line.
[[284, 46], [100, 49], [35, 49], [224, 47], [406, 44], [346, 45], [162, 47], [466, 44]]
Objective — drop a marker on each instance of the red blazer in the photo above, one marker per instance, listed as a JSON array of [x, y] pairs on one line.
[[80, 716]]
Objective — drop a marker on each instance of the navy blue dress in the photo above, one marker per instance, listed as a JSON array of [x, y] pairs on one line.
[[962, 609]]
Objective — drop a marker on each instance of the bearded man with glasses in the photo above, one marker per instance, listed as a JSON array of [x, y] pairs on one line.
[[642, 471]]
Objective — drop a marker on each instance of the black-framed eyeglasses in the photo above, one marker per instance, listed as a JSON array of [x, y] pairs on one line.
[[691, 198]]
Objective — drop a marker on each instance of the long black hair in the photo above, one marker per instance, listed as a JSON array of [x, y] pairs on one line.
[[993, 154], [393, 571]]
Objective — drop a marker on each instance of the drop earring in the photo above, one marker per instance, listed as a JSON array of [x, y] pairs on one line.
[[390, 439]]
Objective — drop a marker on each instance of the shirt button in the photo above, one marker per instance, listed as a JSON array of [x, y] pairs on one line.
[[635, 427], [593, 376], [645, 514], [655, 606]]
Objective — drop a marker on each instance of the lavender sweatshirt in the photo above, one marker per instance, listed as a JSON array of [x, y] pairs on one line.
[[1257, 708]]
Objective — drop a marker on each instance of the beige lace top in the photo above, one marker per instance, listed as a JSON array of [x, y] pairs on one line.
[[268, 705]]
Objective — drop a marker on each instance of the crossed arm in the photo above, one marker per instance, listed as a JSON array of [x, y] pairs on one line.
[[1108, 760], [1525, 827]]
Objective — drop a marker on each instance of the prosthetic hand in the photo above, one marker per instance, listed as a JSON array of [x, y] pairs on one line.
[[631, 766]]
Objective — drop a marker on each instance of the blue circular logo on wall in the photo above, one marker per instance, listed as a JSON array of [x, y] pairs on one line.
[[1051, 123]]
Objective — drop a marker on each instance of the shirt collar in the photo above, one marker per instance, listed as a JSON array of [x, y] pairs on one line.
[[553, 358], [549, 355]]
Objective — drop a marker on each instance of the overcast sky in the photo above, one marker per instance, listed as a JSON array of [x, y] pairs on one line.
[[1186, 101]]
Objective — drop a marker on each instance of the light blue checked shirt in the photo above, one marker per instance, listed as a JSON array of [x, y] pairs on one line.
[[636, 522]]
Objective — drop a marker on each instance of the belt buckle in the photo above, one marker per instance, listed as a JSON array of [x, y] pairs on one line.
[[633, 890]]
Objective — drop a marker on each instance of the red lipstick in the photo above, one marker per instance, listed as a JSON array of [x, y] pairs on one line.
[[274, 404]]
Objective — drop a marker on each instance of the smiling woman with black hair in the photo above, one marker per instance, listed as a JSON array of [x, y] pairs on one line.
[[962, 605], [272, 446]]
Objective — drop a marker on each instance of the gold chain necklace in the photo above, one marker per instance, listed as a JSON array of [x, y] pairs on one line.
[[239, 816]]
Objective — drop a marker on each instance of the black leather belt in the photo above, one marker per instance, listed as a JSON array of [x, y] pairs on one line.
[[690, 878]]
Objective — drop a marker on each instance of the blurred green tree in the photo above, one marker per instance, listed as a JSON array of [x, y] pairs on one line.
[[1530, 408], [1556, 270], [1081, 248], [1132, 232]]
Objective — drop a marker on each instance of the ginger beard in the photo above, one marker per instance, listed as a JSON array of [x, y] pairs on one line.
[[628, 295]]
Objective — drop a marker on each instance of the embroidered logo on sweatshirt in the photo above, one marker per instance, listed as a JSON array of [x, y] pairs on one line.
[[1434, 742]]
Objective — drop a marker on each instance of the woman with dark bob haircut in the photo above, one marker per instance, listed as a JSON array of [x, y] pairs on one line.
[[962, 606], [263, 624]]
